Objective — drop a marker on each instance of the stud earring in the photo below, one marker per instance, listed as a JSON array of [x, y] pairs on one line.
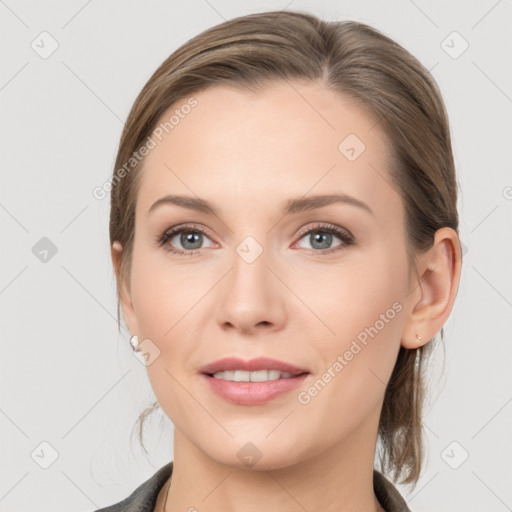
[[419, 337], [134, 342]]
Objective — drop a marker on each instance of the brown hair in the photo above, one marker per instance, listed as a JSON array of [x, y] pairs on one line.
[[358, 62]]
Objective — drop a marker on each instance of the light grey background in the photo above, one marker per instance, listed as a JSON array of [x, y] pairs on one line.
[[69, 380]]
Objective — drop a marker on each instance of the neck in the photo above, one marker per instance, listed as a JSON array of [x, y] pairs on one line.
[[338, 479]]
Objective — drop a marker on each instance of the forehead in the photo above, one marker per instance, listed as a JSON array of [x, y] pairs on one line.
[[289, 139]]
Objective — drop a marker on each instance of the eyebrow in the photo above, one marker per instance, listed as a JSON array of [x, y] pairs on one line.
[[292, 206]]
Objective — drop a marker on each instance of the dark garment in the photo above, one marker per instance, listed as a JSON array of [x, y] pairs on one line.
[[143, 499]]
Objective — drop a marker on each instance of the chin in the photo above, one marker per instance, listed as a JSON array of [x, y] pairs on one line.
[[263, 456]]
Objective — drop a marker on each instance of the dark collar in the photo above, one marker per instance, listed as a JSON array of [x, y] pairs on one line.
[[387, 494]]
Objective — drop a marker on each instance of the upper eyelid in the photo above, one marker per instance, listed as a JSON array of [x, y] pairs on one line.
[[324, 225]]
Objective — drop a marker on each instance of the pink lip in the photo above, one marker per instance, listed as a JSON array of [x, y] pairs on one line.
[[252, 393], [260, 363]]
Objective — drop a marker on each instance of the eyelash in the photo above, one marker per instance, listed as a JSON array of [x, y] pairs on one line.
[[345, 236]]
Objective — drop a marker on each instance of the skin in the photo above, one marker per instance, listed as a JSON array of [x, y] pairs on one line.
[[247, 154]]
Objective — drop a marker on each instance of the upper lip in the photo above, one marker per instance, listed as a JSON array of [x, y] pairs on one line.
[[259, 363]]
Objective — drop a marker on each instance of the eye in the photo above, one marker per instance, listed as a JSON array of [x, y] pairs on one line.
[[190, 237], [321, 236]]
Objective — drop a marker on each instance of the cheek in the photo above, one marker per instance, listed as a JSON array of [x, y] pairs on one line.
[[164, 300], [357, 361], [363, 306], [170, 299], [366, 290], [163, 293]]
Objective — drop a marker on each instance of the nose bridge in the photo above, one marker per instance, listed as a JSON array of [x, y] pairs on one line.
[[250, 260], [251, 293], [250, 249]]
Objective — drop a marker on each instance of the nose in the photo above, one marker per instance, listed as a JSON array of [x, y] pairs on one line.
[[252, 296]]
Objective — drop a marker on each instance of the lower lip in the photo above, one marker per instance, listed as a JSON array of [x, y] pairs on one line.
[[253, 393]]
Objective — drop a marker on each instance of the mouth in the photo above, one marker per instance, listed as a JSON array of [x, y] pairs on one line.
[[255, 376], [253, 382], [253, 366]]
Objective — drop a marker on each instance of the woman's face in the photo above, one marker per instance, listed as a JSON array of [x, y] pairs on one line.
[[269, 278]]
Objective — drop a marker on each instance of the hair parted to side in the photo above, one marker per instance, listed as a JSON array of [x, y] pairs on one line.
[[360, 63]]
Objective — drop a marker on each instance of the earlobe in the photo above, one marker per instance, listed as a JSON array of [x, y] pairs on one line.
[[439, 274], [122, 289]]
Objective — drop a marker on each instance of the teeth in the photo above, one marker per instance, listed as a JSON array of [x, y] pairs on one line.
[[257, 376]]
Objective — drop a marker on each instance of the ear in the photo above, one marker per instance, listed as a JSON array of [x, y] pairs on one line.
[[434, 292], [123, 289]]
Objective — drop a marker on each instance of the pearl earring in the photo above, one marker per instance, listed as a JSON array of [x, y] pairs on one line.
[[134, 342]]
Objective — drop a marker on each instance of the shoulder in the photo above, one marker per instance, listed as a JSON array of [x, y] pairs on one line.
[[387, 494], [143, 499]]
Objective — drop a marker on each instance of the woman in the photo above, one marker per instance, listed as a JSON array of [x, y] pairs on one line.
[[284, 235]]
